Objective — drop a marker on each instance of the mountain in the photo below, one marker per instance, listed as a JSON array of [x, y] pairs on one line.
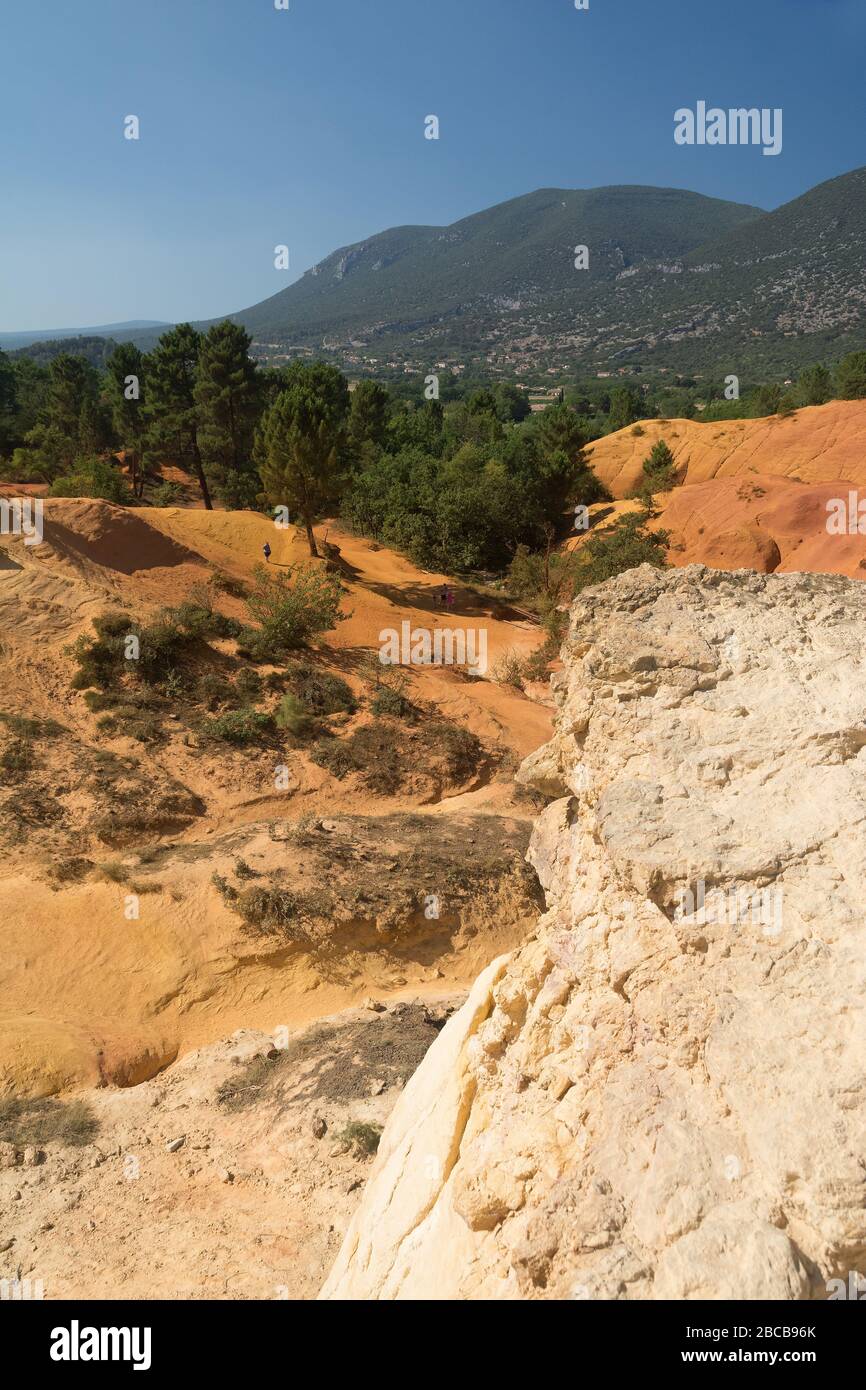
[[501, 281], [118, 331], [674, 279]]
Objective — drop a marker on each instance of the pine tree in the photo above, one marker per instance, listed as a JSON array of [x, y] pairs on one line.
[[227, 401], [71, 382], [125, 389], [298, 450], [559, 431], [851, 377], [368, 419], [171, 411], [815, 386], [8, 405]]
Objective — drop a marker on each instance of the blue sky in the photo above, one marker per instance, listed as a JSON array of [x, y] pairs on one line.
[[305, 127]]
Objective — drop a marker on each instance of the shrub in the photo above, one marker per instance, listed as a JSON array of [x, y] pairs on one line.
[[17, 759], [98, 700], [28, 1122], [460, 749], [294, 606], [271, 910], [25, 727], [224, 888], [198, 617], [227, 584], [93, 477], [623, 548], [367, 1137], [509, 669], [370, 752], [168, 495], [391, 702], [134, 722], [249, 684], [162, 648], [212, 690], [321, 692], [660, 470], [241, 726], [293, 717]]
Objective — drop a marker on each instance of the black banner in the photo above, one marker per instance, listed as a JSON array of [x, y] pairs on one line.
[[80, 1339]]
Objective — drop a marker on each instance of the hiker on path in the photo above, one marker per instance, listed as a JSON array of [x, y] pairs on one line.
[[443, 597], [266, 550]]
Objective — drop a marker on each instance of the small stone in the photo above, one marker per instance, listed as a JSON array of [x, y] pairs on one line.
[[6, 1245], [225, 1175], [377, 1087], [319, 1127], [339, 1149], [174, 1144], [374, 1005], [33, 1157]]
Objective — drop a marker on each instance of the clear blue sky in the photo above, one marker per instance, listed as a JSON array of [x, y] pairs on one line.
[[305, 127]]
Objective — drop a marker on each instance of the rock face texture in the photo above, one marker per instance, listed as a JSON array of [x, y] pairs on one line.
[[662, 1093]]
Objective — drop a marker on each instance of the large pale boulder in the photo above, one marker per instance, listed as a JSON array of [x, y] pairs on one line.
[[662, 1093]]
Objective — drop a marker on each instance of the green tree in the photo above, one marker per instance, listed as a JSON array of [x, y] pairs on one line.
[[512, 404], [766, 400], [368, 419], [298, 450], [325, 382], [72, 403], [626, 406], [660, 465], [31, 393], [171, 411], [124, 372], [8, 405], [659, 472], [815, 386], [227, 404], [482, 402], [558, 430], [851, 377]]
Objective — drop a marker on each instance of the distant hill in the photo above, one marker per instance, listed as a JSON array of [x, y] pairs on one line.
[[119, 331], [96, 350]]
